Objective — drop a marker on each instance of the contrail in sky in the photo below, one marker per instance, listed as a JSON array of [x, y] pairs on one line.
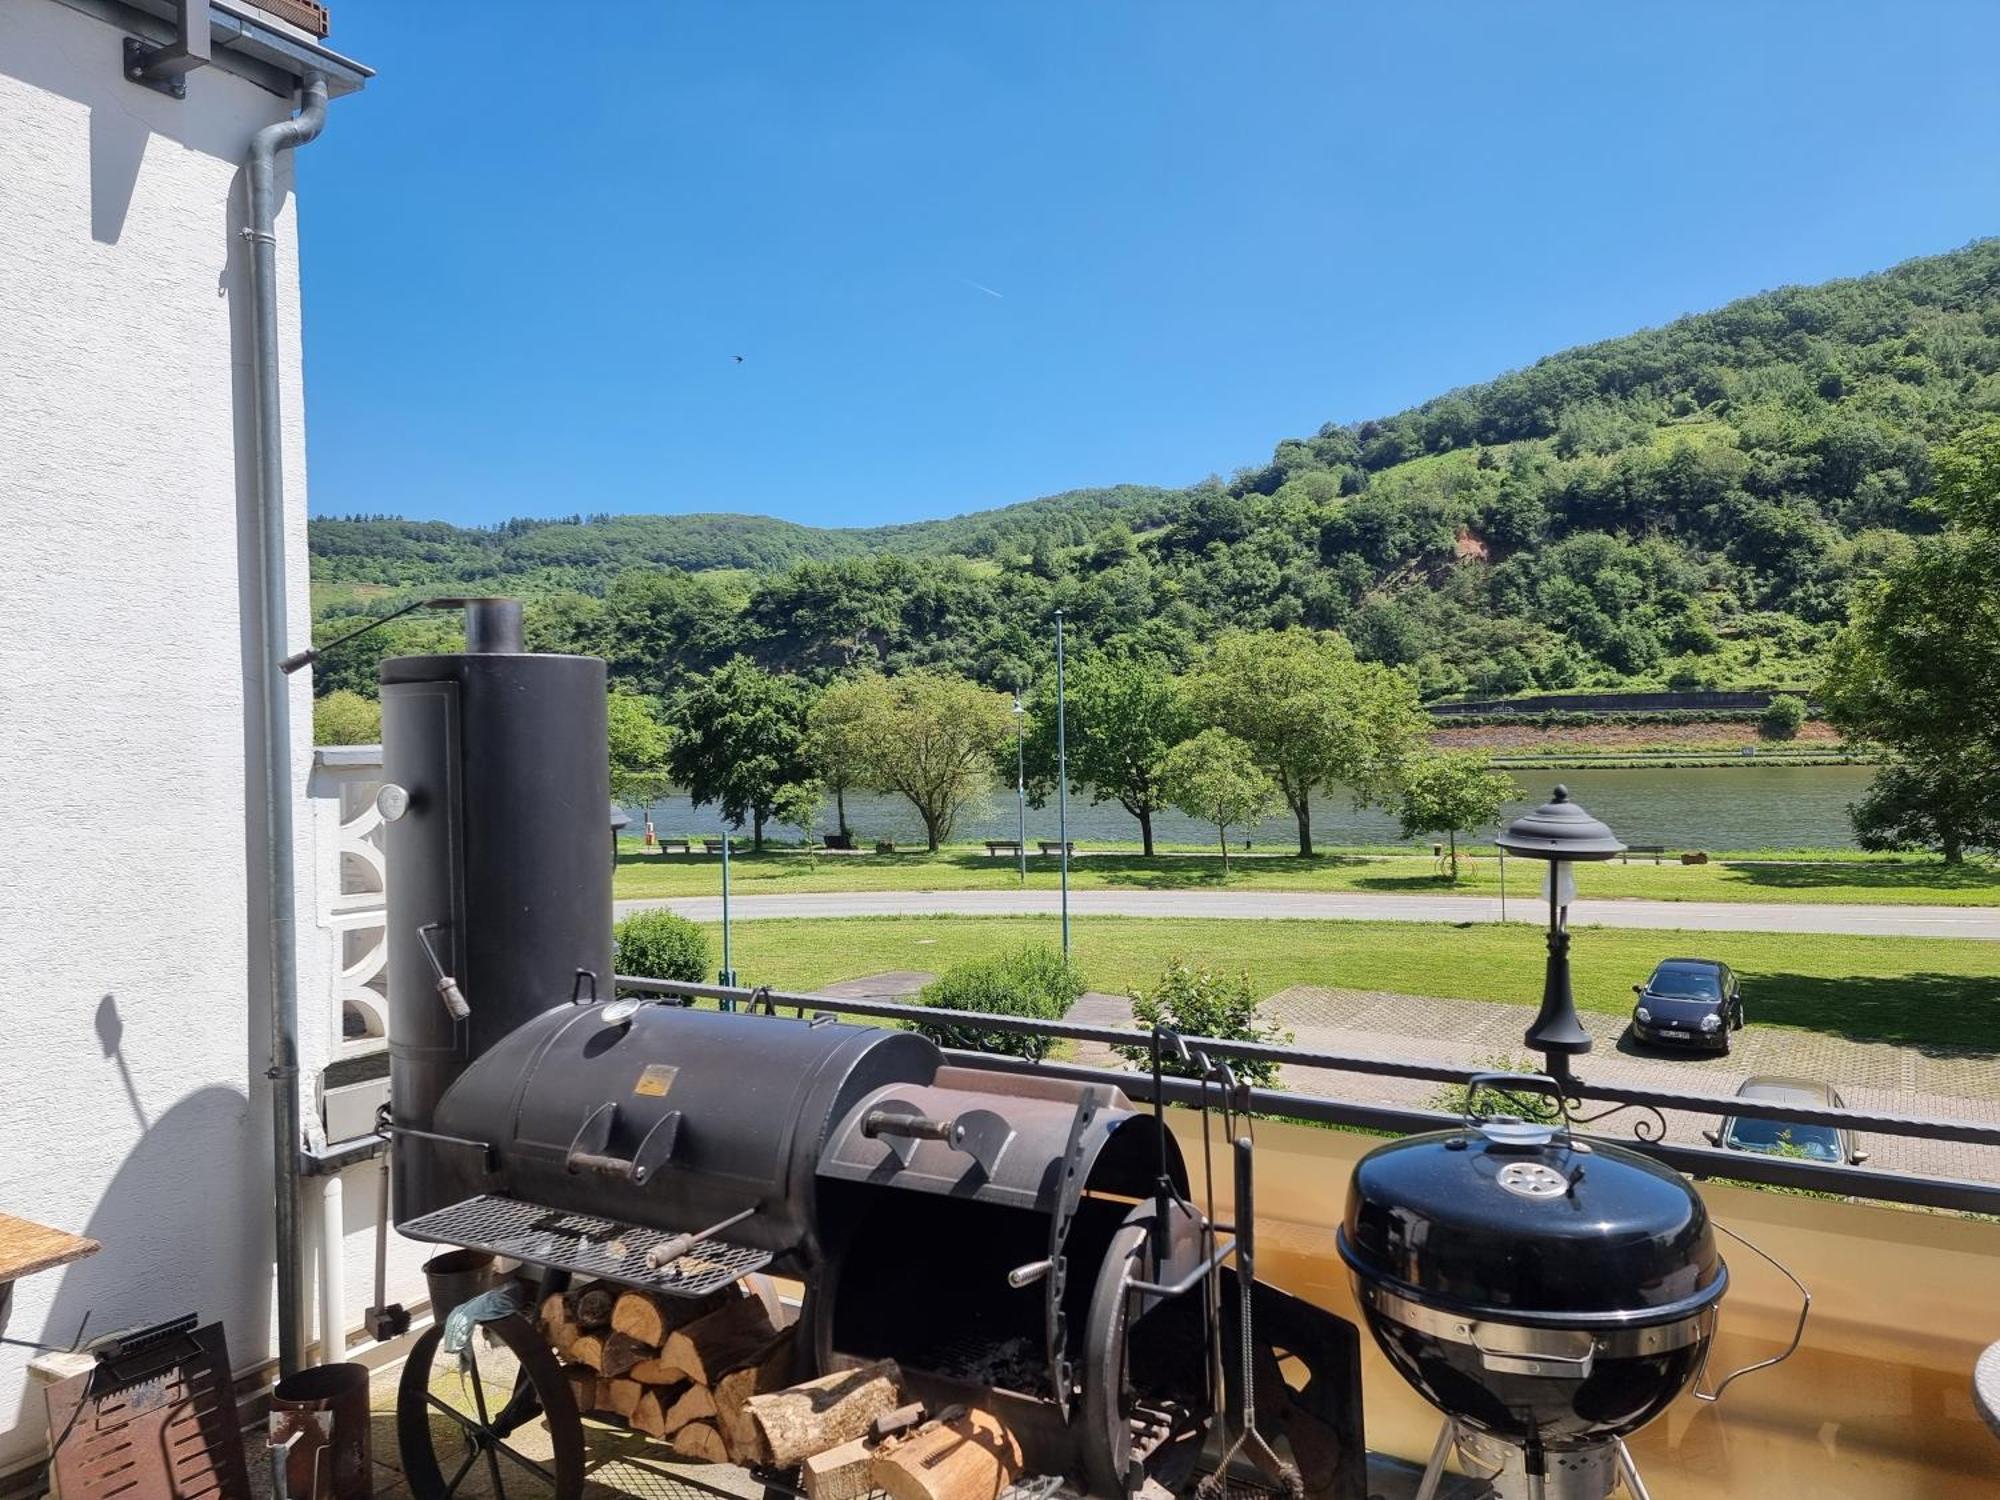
[[977, 287]]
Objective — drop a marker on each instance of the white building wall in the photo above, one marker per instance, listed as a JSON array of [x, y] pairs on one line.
[[133, 1106]]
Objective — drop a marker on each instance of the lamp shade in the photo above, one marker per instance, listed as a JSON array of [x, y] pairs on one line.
[[1559, 829]]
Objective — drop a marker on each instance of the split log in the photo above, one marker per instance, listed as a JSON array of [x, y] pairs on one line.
[[582, 1386], [591, 1308], [621, 1354], [729, 1337], [973, 1457], [701, 1442], [839, 1473], [650, 1318], [588, 1349], [555, 1310], [765, 1290], [791, 1425], [656, 1371], [772, 1370], [621, 1396], [665, 1412]]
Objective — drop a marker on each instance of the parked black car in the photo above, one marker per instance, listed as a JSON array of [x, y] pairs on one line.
[[1689, 1002], [1776, 1138]]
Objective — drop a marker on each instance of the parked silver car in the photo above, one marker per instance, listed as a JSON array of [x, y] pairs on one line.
[[1776, 1137]]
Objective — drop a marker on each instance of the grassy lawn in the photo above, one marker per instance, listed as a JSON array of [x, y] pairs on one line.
[[1878, 879], [1879, 989]]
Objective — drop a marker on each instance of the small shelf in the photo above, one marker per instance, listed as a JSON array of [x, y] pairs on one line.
[[27, 1247]]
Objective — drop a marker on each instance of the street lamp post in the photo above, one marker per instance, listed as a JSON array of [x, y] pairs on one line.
[[728, 974], [1062, 784], [1020, 787], [1562, 833]]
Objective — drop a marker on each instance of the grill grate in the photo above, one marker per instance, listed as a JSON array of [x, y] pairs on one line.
[[585, 1244], [1013, 1364]]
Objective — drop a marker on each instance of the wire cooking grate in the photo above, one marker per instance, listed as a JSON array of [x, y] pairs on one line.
[[585, 1244]]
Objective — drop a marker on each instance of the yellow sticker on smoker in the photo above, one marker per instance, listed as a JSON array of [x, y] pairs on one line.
[[655, 1081]]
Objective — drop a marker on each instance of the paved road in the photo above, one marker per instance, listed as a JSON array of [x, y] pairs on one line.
[[1706, 916]]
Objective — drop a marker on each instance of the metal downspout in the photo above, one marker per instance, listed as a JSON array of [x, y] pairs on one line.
[[274, 703]]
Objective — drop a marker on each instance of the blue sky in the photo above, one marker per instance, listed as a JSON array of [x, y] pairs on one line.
[[972, 252]]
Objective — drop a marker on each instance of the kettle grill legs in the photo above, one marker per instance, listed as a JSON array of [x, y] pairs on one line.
[[1591, 1474]]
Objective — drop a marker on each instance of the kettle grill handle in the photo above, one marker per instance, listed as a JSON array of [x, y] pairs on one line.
[[1798, 1332], [1501, 1083]]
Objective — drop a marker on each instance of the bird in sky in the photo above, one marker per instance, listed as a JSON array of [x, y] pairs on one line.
[[737, 357]]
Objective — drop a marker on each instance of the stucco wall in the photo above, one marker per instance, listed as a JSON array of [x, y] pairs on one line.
[[132, 1100]]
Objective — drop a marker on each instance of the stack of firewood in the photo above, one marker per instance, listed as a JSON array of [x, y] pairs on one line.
[[673, 1367], [714, 1378]]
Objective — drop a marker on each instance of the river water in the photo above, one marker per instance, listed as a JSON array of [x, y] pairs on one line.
[[1722, 807]]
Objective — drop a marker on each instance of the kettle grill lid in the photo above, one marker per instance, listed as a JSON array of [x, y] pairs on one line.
[[1511, 1220]]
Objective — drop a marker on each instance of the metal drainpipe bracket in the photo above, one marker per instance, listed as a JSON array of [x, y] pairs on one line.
[[164, 66]]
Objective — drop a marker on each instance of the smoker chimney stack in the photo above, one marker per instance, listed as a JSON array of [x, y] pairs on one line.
[[499, 894]]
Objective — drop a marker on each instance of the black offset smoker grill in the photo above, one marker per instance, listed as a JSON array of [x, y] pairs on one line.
[[1024, 1244]]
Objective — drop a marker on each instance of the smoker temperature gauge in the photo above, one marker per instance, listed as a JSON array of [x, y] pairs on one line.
[[618, 1012], [391, 801]]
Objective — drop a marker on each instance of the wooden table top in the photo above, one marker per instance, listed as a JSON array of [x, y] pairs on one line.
[[27, 1247]]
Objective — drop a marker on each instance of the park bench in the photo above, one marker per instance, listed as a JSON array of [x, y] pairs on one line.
[[1003, 846], [840, 841], [1055, 846], [713, 846], [1658, 851], [676, 846]]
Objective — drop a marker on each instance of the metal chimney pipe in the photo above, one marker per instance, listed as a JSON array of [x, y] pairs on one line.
[[493, 627]]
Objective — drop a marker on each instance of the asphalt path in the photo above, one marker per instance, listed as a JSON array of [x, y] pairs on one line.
[[1982, 923]]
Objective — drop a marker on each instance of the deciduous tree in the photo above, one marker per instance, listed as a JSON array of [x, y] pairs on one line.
[[1215, 779], [344, 717], [1918, 669], [1312, 714], [1122, 716], [1446, 791], [638, 750], [932, 738], [835, 740], [739, 740]]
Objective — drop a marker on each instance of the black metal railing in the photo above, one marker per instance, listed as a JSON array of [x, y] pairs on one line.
[[1743, 1166]]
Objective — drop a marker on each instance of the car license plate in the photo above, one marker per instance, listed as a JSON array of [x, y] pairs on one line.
[[1679, 1036]]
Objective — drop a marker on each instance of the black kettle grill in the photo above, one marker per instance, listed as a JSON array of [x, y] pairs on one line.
[[1549, 1295]]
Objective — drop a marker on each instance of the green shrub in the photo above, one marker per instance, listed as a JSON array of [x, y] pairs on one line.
[[659, 944], [1782, 719], [1200, 1002], [1033, 981], [344, 717]]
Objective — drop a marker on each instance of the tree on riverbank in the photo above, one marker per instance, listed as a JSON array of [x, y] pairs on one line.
[[739, 741], [638, 742], [1449, 791], [836, 741], [1918, 670], [1214, 778], [1122, 716], [1312, 715], [932, 738]]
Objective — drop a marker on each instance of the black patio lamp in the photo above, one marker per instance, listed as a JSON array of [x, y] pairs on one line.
[[1562, 833]]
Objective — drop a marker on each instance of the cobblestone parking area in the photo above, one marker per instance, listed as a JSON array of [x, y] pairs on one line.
[[1877, 1076]]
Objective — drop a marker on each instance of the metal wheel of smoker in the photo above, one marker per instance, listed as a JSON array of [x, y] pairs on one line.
[[503, 1425], [1122, 1420]]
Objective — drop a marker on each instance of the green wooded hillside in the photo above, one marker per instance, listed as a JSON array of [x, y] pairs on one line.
[[1686, 506]]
